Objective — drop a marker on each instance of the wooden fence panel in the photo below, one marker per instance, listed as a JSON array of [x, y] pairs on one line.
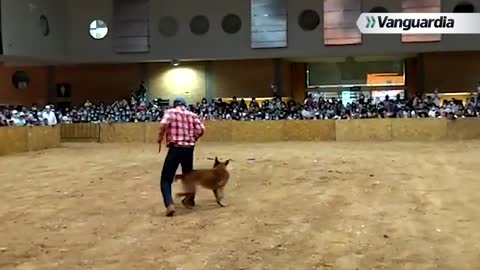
[[81, 132]]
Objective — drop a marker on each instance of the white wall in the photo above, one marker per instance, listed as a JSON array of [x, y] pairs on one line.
[[21, 36], [21, 32]]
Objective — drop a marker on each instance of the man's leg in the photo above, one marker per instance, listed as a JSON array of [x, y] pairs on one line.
[[186, 161], [170, 166]]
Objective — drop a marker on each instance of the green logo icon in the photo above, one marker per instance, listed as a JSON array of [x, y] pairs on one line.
[[370, 22]]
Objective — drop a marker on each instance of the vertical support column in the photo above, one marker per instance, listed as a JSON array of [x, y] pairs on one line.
[[1, 39], [411, 76], [143, 67], [420, 70], [277, 76], [209, 80], [51, 86], [299, 81]]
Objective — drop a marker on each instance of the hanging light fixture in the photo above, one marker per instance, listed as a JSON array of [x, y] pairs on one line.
[[175, 63]]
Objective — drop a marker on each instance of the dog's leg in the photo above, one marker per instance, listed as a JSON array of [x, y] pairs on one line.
[[178, 177], [219, 196], [189, 200]]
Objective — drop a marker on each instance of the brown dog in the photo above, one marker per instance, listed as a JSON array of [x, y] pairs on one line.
[[214, 179]]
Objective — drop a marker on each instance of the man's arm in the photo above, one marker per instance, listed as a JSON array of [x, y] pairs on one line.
[[163, 126], [199, 128], [161, 132]]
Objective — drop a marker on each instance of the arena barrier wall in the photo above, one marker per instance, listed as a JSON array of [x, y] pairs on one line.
[[422, 130], [23, 139], [82, 132], [419, 129], [123, 133], [463, 129], [363, 130]]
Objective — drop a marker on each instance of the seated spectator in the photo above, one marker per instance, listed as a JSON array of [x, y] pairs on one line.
[[234, 101], [253, 103], [243, 105], [421, 108], [433, 112], [18, 119], [3, 119], [31, 119], [308, 101]]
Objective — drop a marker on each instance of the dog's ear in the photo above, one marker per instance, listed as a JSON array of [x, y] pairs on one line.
[[228, 161], [216, 161]]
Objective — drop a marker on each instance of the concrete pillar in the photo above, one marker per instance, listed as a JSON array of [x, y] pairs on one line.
[[143, 68], [51, 85], [278, 76], [420, 66], [298, 81], [209, 81], [411, 76]]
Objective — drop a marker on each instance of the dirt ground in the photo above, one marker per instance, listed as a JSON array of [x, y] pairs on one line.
[[296, 206]]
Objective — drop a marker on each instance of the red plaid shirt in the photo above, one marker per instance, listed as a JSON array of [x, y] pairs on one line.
[[183, 127]]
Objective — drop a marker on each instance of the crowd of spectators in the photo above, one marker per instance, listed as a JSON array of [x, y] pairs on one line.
[[139, 109], [417, 106], [321, 108]]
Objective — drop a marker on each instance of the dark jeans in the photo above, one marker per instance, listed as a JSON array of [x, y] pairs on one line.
[[176, 155]]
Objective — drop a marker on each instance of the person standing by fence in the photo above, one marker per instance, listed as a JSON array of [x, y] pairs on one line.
[[182, 129], [49, 116]]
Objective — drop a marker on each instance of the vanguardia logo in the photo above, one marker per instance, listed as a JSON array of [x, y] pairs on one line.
[[370, 22], [407, 24], [419, 23]]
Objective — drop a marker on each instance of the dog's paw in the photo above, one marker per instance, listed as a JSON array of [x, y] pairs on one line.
[[221, 204], [188, 203]]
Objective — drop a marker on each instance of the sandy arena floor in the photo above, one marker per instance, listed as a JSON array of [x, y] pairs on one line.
[[297, 206]]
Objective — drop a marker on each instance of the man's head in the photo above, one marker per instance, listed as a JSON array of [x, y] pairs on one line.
[[48, 108], [179, 102]]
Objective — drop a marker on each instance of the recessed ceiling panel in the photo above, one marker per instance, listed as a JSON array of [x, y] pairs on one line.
[[340, 17], [268, 23], [131, 26], [421, 6]]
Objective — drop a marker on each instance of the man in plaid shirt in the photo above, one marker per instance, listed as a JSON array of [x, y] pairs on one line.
[[182, 129]]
